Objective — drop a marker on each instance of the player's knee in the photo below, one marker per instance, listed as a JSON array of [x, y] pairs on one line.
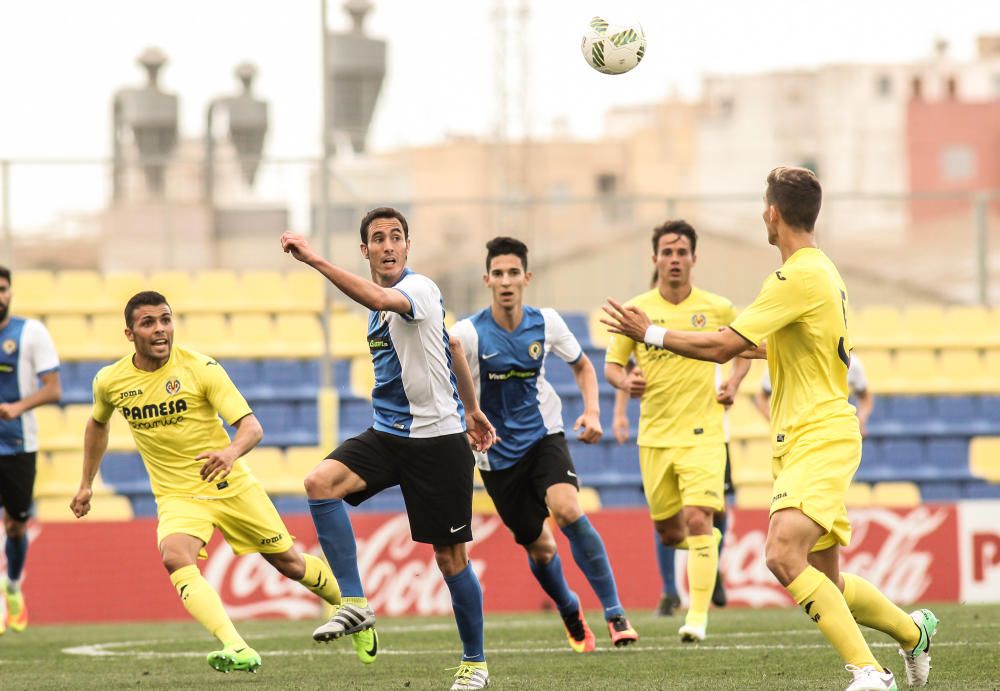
[[698, 523], [173, 561], [782, 561], [15, 529], [542, 552], [290, 565], [672, 535], [566, 514]]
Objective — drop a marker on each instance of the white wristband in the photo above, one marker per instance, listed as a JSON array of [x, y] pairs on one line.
[[654, 335]]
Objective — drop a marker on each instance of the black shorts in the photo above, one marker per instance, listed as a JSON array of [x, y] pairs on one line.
[[518, 492], [17, 484], [434, 474]]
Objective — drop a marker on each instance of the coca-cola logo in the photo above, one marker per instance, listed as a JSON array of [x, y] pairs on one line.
[[400, 576]]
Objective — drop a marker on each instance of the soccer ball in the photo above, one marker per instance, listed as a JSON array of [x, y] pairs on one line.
[[613, 48]]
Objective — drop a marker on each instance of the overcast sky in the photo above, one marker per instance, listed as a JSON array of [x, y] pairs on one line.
[[61, 60]]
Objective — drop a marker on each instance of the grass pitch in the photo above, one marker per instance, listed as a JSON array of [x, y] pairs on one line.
[[746, 649]]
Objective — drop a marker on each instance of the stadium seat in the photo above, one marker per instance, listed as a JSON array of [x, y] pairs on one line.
[[745, 421], [108, 507], [991, 369], [875, 327], [362, 376], [219, 291], [984, 458], [750, 461], [896, 495], [107, 338], [82, 292], [754, 496], [922, 325], [268, 465], [304, 292], [961, 371], [599, 335], [948, 457], [940, 490], [262, 291], [578, 326], [119, 435], [254, 335], [300, 460], [558, 373], [58, 474], [590, 459], [348, 334], [621, 495], [71, 335], [208, 334], [590, 500], [178, 288], [300, 335], [120, 286], [482, 503], [971, 325], [879, 368], [126, 474], [859, 495], [34, 292], [915, 371]]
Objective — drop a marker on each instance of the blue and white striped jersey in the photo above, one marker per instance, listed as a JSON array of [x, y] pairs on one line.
[[415, 394], [26, 352], [509, 370]]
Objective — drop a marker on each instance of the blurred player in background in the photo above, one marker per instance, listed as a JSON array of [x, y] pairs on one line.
[[857, 388], [801, 311], [172, 398], [529, 472], [29, 377], [682, 453], [424, 402]]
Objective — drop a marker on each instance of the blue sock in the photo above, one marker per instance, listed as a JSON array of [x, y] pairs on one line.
[[467, 603], [720, 521], [591, 557], [665, 558], [550, 577], [333, 528], [16, 551]]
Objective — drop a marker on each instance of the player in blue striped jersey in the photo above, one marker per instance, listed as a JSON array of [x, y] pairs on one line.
[[528, 472]]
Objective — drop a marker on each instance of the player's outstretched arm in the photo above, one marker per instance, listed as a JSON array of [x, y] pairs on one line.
[[588, 424], [218, 464], [482, 434], [361, 290], [95, 444], [714, 346]]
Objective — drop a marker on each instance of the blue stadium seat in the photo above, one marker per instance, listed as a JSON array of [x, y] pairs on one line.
[[341, 376], [913, 412], [623, 495], [126, 473], [287, 504], [579, 325], [245, 375], [290, 379], [589, 459], [903, 456], [940, 490], [143, 505], [948, 457], [874, 466], [990, 406], [558, 373], [355, 415], [959, 413], [980, 490], [77, 380]]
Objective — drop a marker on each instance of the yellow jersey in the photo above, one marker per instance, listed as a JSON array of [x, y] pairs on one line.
[[679, 407], [802, 312], [174, 416]]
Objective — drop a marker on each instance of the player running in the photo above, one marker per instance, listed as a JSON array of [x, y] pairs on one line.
[[424, 401], [816, 445], [529, 472], [172, 398]]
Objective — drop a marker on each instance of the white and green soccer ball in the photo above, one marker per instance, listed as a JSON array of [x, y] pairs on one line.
[[613, 48]]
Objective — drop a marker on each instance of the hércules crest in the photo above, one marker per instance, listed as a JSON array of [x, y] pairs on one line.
[[535, 350], [9, 346], [173, 386], [699, 320]]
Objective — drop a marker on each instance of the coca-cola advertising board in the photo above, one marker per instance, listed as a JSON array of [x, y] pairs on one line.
[[91, 571]]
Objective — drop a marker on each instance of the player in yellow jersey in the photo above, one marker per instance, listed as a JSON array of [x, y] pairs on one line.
[[802, 311], [682, 445], [172, 398]]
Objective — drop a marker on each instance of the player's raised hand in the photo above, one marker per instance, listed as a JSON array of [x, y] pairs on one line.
[[589, 426], [298, 247], [482, 435], [80, 505], [621, 428], [218, 464], [628, 321]]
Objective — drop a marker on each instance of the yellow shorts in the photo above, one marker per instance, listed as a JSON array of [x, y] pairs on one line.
[[682, 476], [813, 477], [248, 521]]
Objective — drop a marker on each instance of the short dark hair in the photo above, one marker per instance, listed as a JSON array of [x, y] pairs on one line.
[[797, 194], [5, 273], [506, 245], [146, 297], [678, 227], [383, 212]]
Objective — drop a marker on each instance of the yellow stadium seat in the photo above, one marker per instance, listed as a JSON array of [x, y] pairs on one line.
[[304, 290], [961, 370], [300, 460], [599, 335], [107, 337], [300, 335], [362, 376], [51, 423], [34, 292], [263, 291], [896, 495], [971, 325], [923, 325], [119, 435], [348, 334], [107, 507], [753, 496], [859, 495], [991, 369], [268, 465], [879, 368], [915, 371], [745, 421], [482, 503], [590, 500], [984, 458], [82, 292], [875, 326], [71, 335], [59, 473], [178, 288], [120, 286], [750, 461], [254, 335], [218, 291], [75, 422], [206, 333]]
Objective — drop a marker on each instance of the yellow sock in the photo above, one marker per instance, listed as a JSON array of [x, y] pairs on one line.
[[684, 544], [203, 603], [703, 564], [319, 579], [873, 609], [356, 601], [824, 604]]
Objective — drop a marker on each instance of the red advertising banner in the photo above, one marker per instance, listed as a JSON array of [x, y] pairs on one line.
[[112, 572]]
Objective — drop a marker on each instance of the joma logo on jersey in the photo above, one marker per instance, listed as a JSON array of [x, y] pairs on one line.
[[173, 386], [270, 540], [155, 410], [699, 321], [130, 394]]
